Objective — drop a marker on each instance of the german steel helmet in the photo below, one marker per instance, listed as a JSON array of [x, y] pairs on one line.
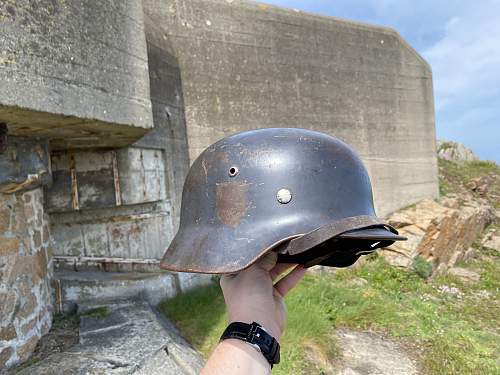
[[301, 193]]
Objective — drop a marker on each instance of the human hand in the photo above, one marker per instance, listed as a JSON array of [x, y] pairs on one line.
[[251, 296]]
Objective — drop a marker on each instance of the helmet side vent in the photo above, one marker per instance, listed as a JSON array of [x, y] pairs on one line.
[[233, 171]]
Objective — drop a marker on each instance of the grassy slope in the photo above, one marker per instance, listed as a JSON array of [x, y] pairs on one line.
[[453, 177], [449, 333], [455, 333]]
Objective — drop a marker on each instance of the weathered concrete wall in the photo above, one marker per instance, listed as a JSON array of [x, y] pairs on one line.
[[75, 71], [25, 266], [168, 107], [246, 66], [109, 204]]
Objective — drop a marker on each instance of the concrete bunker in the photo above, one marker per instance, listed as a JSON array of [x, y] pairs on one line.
[[101, 117]]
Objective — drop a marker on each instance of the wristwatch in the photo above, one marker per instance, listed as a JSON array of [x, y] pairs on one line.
[[255, 335]]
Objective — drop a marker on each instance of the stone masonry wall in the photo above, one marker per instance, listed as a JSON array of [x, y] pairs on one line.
[[25, 272]]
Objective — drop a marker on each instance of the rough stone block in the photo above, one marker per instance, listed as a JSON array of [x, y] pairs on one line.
[[24, 351], [4, 219], [8, 246], [37, 239], [8, 301], [8, 333], [5, 355], [40, 266], [28, 300], [27, 327]]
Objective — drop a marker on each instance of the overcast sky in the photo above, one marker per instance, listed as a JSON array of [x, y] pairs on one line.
[[460, 40]]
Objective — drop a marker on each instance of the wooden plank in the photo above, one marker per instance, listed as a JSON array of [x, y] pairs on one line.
[[74, 186], [116, 177]]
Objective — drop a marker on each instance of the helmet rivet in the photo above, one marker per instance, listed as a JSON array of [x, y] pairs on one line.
[[284, 196], [233, 171]]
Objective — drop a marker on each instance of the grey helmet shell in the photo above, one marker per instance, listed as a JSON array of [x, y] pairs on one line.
[[265, 190]]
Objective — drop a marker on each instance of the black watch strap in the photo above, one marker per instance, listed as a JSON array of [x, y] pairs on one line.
[[257, 336]]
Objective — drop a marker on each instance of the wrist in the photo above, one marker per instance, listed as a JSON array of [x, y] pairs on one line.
[[256, 336], [250, 351]]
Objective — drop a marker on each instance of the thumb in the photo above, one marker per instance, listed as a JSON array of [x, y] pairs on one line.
[[268, 261], [289, 281]]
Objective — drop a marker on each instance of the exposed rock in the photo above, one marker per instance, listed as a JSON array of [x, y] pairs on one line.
[[465, 275], [358, 282], [365, 353], [470, 254], [479, 185], [450, 201], [437, 232], [491, 240], [454, 291], [454, 151]]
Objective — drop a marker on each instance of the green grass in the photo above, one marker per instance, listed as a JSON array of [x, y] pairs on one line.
[[469, 169], [99, 312], [454, 176], [459, 333]]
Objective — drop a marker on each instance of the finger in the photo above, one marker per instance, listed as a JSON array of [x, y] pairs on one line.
[[288, 282], [268, 261], [224, 279], [279, 268]]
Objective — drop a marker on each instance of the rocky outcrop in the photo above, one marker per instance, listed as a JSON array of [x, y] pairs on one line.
[[464, 274], [454, 151], [439, 232]]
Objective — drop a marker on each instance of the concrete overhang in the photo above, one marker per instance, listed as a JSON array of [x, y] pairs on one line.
[[69, 132], [75, 72]]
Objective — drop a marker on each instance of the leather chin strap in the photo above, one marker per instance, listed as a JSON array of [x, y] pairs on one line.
[[331, 230]]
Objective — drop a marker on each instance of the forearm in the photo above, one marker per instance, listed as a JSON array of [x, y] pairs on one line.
[[236, 357]]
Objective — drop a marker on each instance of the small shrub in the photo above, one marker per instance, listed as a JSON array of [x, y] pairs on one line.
[[422, 267], [99, 312]]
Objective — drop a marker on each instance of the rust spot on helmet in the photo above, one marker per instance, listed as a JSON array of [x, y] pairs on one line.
[[231, 202]]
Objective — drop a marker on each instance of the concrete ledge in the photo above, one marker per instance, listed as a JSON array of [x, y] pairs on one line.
[[81, 288], [77, 289]]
